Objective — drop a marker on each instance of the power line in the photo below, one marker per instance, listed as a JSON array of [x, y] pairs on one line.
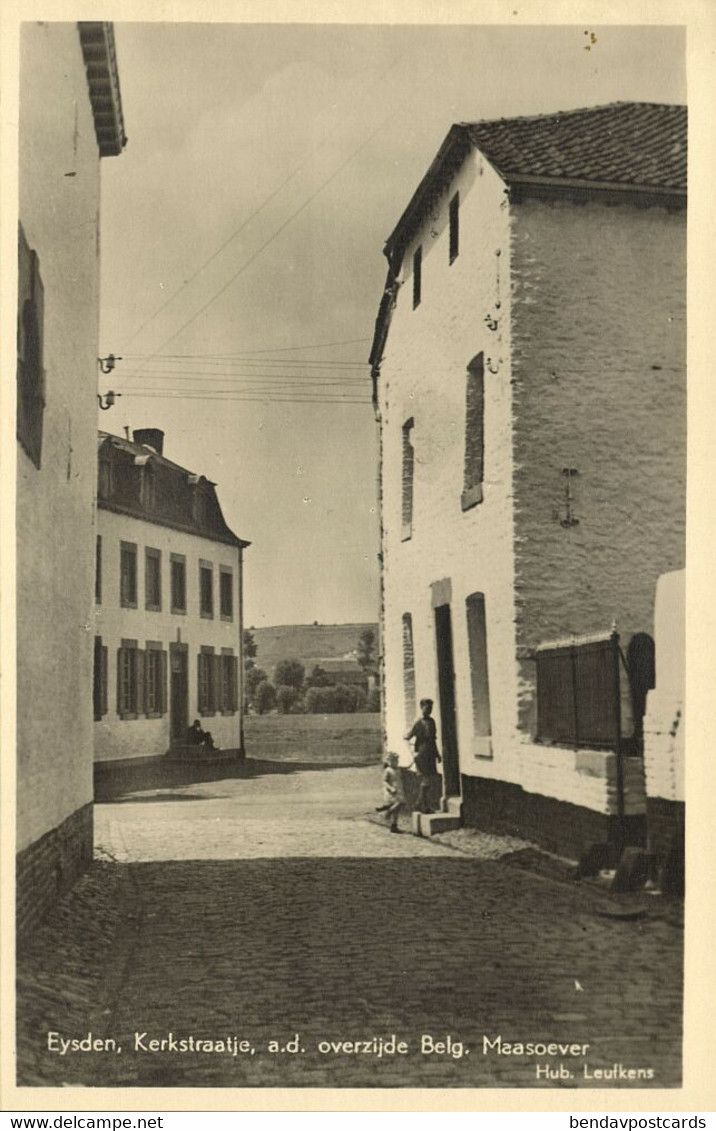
[[246, 399], [279, 349], [253, 216], [276, 234]]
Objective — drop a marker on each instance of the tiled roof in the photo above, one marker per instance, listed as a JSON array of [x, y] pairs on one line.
[[625, 143], [623, 147]]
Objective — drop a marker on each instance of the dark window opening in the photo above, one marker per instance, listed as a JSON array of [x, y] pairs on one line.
[[153, 579], [178, 583], [30, 368], [98, 570], [454, 227], [477, 646], [417, 276], [474, 433], [206, 591], [226, 594], [99, 688], [128, 575]]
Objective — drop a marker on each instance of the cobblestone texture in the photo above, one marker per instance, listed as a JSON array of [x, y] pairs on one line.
[[284, 911]]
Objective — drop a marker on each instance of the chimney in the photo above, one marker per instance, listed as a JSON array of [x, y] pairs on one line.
[[150, 438]]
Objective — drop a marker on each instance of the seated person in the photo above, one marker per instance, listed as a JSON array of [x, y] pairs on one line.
[[198, 737]]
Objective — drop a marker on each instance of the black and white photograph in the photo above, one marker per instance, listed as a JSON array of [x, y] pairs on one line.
[[350, 498]]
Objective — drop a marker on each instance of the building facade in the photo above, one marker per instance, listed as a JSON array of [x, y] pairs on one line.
[[70, 117], [168, 606], [529, 376]]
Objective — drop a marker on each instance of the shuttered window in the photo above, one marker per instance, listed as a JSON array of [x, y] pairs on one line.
[[130, 680], [99, 689], [474, 433], [155, 680], [226, 593], [178, 583], [209, 676], [578, 694], [408, 670], [454, 227], [206, 589], [229, 681], [477, 646], [30, 351], [128, 575], [408, 469], [153, 579], [417, 276]]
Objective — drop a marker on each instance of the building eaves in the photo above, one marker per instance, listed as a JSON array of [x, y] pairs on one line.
[[628, 148], [100, 58]]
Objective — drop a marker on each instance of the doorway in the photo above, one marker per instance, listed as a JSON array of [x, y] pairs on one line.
[[179, 693], [446, 691]]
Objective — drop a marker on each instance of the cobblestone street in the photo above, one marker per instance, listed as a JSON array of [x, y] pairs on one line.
[[269, 908]]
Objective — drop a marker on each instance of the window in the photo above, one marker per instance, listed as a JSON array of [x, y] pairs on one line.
[[208, 682], [578, 696], [148, 487], [155, 680], [128, 575], [98, 570], [206, 589], [153, 579], [105, 477], [226, 593], [229, 681], [99, 688], [408, 468], [477, 646], [30, 371], [454, 227], [417, 275], [178, 583], [408, 669], [474, 433], [130, 680]]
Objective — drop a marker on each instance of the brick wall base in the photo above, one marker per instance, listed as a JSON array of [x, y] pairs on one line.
[[50, 866], [557, 826], [666, 826]]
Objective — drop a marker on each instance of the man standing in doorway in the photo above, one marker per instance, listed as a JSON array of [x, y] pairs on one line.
[[426, 753]]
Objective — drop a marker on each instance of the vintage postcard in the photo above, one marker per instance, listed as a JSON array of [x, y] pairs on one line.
[[352, 616]]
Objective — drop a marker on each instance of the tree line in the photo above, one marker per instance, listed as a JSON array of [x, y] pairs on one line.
[[293, 692]]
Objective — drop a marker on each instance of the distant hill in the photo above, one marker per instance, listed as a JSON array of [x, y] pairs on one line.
[[308, 643]]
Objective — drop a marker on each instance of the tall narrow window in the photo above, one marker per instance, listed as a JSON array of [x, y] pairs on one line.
[[98, 570], [207, 685], [477, 645], [226, 593], [128, 575], [417, 275], [130, 680], [153, 579], [155, 680], [99, 691], [206, 589], [229, 681], [407, 471], [30, 370], [408, 670], [454, 227], [178, 583], [474, 433]]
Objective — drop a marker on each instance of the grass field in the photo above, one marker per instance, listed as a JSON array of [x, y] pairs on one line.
[[351, 740]]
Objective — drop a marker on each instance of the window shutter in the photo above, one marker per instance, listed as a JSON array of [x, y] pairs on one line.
[[24, 294], [218, 683], [235, 683], [200, 704], [104, 679], [163, 683], [140, 675], [120, 705]]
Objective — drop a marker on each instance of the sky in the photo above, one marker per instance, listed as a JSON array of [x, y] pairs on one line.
[[242, 265]]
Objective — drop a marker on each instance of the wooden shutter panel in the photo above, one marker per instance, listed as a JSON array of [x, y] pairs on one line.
[[24, 291], [104, 661], [140, 685], [163, 683], [200, 704], [218, 683], [119, 681], [234, 683]]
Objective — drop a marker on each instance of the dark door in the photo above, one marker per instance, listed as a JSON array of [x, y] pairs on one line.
[[446, 691], [179, 693]]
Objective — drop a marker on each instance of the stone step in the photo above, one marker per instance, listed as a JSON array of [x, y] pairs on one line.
[[427, 824]]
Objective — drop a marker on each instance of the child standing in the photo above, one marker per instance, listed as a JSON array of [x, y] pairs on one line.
[[391, 791]]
